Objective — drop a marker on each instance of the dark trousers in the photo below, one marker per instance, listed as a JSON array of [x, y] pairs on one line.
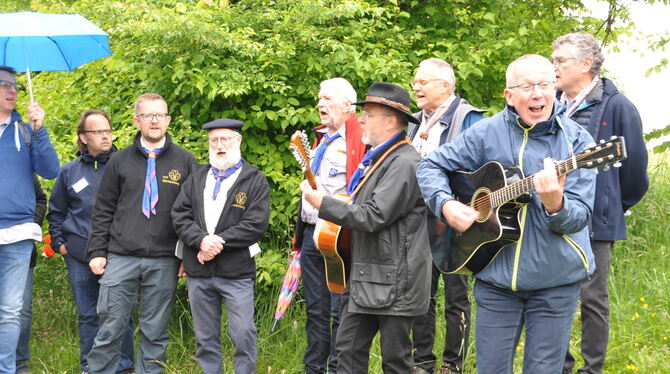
[[595, 311], [323, 310], [355, 335], [457, 317]]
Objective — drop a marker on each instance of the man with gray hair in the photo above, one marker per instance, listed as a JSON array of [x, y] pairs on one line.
[[336, 154], [444, 115], [533, 282], [596, 104]]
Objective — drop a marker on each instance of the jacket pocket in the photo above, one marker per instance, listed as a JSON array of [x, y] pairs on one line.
[[374, 286]]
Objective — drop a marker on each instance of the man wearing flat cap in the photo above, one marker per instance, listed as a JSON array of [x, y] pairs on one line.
[[220, 213], [389, 281]]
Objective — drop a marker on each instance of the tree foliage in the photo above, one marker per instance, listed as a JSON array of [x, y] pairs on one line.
[[261, 61]]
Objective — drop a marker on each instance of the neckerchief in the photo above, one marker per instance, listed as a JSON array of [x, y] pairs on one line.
[[574, 105], [321, 150], [421, 140], [150, 197], [356, 177], [219, 176]]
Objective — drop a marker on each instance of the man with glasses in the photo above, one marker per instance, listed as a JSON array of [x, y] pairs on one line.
[[70, 213], [223, 209], [532, 282], [132, 242], [595, 103], [25, 149], [444, 115], [389, 281], [337, 151]]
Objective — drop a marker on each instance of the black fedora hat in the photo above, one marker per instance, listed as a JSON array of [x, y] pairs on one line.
[[389, 95]]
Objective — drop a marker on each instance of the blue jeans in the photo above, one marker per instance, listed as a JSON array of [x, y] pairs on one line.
[[23, 347], [501, 315], [85, 289], [14, 264], [205, 296], [322, 307]]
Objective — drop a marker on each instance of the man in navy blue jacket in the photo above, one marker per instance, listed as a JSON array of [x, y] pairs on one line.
[[25, 149], [596, 104], [70, 211]]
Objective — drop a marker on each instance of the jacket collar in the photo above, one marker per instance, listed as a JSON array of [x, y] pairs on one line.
[[101, 158], [138, 145]]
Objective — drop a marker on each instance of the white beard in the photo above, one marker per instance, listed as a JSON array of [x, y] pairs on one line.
[[230, 159]]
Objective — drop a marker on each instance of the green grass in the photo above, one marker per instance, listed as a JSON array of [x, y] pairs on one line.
[[639, 284]]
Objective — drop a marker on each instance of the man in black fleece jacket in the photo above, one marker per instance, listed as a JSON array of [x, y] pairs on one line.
[[132, 242], [220, 213]]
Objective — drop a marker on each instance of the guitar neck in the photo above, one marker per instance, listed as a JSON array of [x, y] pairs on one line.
[[310, 177], [525, 185]]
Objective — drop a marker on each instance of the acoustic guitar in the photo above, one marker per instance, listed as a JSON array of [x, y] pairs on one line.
[[498, 192], [332, 241]]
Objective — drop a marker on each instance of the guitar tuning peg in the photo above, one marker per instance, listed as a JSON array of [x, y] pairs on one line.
[[612, 137], [617, 164], [602, 141], [606, 168]]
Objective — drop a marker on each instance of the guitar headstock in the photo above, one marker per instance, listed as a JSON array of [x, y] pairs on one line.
[[605, 153], [298, 146]]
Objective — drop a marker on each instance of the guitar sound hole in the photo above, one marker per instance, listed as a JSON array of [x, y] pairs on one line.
[[481, 203]]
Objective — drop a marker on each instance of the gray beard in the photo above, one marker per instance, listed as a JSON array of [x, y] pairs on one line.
[[232, 157]]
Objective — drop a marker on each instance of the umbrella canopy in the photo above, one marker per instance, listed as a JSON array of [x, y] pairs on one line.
[[289, 287], [31, 41]]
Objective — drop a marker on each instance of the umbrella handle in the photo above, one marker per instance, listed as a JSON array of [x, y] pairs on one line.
[[30, 84]]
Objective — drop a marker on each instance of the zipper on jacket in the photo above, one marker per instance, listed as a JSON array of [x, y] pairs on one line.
[[580, 252], [522, 221]]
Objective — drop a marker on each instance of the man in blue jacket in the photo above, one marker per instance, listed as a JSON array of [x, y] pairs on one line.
[[444, 115], [596, 104], [25, 149], [533, 281], [70, 210]]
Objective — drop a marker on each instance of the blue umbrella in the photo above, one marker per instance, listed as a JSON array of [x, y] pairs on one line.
[[49, 42]]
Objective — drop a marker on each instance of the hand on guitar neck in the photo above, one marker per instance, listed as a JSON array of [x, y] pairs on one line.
[[314, 196]]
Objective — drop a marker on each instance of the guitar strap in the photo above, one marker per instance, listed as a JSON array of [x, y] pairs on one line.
[[374, 167]]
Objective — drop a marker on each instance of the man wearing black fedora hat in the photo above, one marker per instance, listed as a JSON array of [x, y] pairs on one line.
[[389, 280], [220, 213]]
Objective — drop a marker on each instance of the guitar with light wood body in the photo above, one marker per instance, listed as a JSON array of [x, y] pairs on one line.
[[333, 241]]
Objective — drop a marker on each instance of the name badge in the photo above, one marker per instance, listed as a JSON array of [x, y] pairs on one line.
[[80, 185]]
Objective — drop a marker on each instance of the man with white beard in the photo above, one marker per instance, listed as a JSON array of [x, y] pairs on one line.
[[222, 210]]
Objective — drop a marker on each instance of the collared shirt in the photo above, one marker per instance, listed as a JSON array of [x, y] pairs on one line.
[[435, 131], [332, 174], [213, 208]]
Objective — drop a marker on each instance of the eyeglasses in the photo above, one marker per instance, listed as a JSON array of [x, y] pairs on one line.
[[98, 132], [558, 61], [7, 85], [365, 115], [529, 87], [225, 140], [150, 116], [422, 82]]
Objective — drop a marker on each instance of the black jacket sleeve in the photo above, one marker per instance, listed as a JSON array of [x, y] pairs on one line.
[[58, 210], [183, 220], [103, 210]]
